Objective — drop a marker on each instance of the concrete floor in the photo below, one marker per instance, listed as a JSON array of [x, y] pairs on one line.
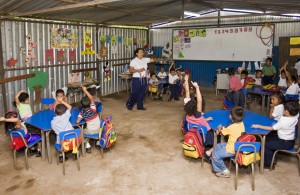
[[147, 159]]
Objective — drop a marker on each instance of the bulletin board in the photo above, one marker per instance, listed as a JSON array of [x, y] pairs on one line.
[[247, 43]]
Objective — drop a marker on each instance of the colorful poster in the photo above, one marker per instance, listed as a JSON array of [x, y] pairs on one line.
[[192, 33], [200, 32], [61, 56], [294, 40], [295, 52], [181, 33], [187, 40], [49, 55], [113, 39], [186, 32], [63, 38], [175, 39], [72, 56]]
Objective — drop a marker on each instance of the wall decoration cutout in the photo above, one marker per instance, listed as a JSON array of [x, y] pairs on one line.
[[49, 55], [63, 38], [114, 49], [37, 84], [72, 56], [125, 41], [106, 69], [139, 41], [102, 38], [130, 41], [11, 62], [120, 39], [30, 54], [143, 41], [113, 39], [108, 39], [134, 41], [61, 56], [88, 42]]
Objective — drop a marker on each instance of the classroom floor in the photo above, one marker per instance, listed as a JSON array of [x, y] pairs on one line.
[[147, 159]]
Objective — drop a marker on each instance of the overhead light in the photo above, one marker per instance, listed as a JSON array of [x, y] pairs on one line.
[[293, 15], [243, 11], [162, 24], [191, 14]]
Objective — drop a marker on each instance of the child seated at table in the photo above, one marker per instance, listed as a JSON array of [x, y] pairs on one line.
[[61, 122], [162, 78], [12, 122], [22, 102], [173, 78], [155, 86], [283, 81], [89, 114], [226, 149], [193, 110], [276, 106], [285, 127], [236, 89], [258, 76], [244, 75], [269, 72], [58, 95]]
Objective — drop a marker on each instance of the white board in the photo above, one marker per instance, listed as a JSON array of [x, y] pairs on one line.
[[223, 44]]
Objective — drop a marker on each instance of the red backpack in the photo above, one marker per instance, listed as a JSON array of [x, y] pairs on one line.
[[244, 138], [193, 144]]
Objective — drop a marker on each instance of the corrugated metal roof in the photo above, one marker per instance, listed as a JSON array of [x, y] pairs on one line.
[[134, 12]]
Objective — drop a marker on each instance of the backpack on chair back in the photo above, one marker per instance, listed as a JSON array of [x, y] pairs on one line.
[[246, 158], [193, 144], [109, 134]]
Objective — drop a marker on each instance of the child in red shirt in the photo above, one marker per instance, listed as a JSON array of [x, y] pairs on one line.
[[236, 88]]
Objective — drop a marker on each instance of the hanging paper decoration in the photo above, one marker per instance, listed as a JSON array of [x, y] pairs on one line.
[[49, 55], [106, 69], [11, 62], [125, 41], [63, 38], [108, 39], [130, 41], [102, 52], [114, 49], [88, 42], [113, 39], [30, 54], [61, 56], [102, 38], [120, 39], [37, 84], [72, 56], [134, 41], [139, 41], [143, 41]]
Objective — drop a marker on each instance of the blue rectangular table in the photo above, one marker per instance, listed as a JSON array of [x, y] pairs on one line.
[[42, 120], [222, 117]]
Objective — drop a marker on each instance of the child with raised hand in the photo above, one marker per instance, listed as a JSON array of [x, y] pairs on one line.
[[93, 91], [61, 122], [90, 115], [22, 103], [283, 80], [285, 127], [226, 149], [12, 122], [276, 106], [60, 94]]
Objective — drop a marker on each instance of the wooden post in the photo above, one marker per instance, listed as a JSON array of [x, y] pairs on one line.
[[2, 73]]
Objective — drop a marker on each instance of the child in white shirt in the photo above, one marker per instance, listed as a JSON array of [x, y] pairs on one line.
[[293, 89], [258, 76], [283, 81], [276, 106], [173, 78]]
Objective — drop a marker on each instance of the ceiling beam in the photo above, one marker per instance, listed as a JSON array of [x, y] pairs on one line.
[[15, 6], [206, 4], [58, 8], [285, 3]]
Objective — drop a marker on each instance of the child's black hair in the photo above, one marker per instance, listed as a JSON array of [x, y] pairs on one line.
[[172, 69], [85, 102], [60, 109], [231, 71], [279, 96], [152, 74], [59, 91], [298, 60], [269, 58], [191, 107], [22, 98], [245, 72], [10, 125], [257, 71], [92, 91], [293, 78], [282, 71], [137, 51], [237, 114], [292, 107]]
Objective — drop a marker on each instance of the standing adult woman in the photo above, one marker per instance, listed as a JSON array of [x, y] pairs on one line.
[[138, 67]]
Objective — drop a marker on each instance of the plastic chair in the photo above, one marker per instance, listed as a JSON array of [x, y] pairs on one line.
[[65, 135], [95, 137], [288, 97], [252, 147], [47, 101], [292, 151], [203, 131], [21, 134]]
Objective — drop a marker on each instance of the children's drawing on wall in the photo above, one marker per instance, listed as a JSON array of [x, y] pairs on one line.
[[37, 84], [11, 62], [88, 42], [72, 56], [107, 71], [166, 52], [102, 52], [30, 54], [49, 57], [63, 38]]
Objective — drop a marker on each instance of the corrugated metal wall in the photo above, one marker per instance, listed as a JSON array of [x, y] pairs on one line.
[[204, 71], [14, 34]]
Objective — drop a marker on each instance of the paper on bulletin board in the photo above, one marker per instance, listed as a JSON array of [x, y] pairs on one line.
[[295, 52], [295, 41]]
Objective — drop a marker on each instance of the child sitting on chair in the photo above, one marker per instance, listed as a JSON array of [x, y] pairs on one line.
[[285, 127], [60, 94], [258, 76], [226, 149], [162, 78], [244, 75], [13, 123], [283, 81], [93, 91], [22, 102], [155, 87], [61, 122], [89, 114]]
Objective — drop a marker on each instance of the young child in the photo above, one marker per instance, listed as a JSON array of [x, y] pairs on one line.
[[162, 78], [93, 91], [285, 127], [154, 83], [258, 75], [22, 103], [244, 75], [60, 94], [61, 121], [283, 81], [173, 78], [276, 106], [193, 109], [13, 123], [226, 149], [269, 72], [89, 114], [236, 88]]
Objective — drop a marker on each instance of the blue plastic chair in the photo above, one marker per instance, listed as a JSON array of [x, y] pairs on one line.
[[100, 110], [19, 133], [95, 137], [65, 135], [47, 101], [290, 151], [250, 147], [288, 97]]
